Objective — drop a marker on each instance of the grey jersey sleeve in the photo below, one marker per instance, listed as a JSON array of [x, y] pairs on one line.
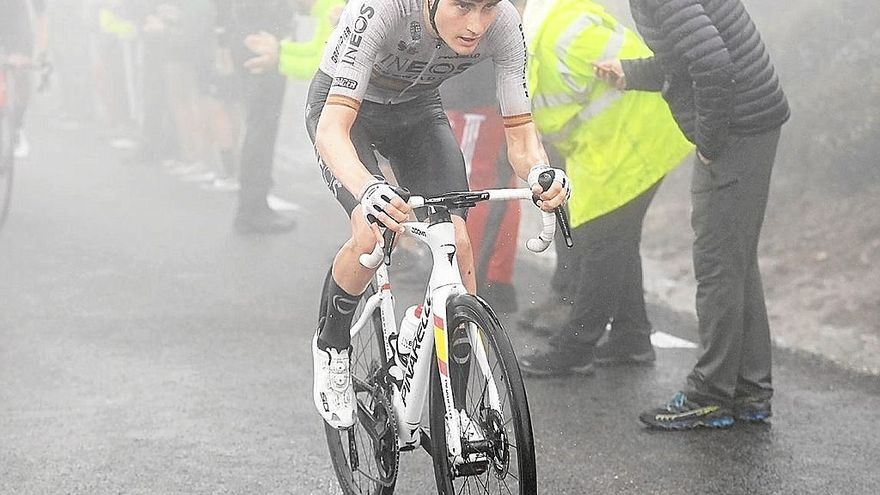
[[363, 27], [509, 56]]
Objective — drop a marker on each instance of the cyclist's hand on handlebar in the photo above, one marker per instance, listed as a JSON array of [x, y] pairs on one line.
[[382, 204], [558, 192]]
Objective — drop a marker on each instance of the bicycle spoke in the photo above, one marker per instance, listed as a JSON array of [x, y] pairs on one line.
[[479, 481]]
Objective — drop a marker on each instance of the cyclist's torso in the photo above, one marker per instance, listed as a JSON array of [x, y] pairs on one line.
[[382, 52]]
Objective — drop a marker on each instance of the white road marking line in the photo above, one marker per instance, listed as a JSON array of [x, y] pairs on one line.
[[663, 340], [279, 204]]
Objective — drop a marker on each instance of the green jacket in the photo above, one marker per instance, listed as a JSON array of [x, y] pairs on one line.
[[300, 60], [616, 144]]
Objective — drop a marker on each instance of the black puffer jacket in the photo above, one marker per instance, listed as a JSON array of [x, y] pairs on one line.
[[712, 68]]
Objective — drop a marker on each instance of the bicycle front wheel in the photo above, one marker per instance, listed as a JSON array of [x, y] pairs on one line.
[[499, 449], [365, 456]]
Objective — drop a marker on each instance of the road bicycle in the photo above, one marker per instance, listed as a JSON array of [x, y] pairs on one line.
[[459, 361], [8, 131]]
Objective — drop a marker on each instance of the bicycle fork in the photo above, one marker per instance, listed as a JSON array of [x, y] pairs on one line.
[[466, 441]]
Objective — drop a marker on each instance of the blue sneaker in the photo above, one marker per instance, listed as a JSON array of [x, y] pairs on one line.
[[682, 413], [751, 409]]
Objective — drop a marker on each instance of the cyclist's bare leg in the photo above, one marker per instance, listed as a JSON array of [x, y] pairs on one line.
[[345, 284], [348, 272]]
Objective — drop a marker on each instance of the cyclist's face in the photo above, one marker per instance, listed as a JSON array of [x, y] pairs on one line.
[[462, 23]]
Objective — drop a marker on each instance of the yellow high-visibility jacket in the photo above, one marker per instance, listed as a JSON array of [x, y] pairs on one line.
[[113, 24], [300, 60], [616, 144]]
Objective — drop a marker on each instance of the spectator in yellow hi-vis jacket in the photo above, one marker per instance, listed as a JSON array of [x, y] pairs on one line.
[[617, 147]]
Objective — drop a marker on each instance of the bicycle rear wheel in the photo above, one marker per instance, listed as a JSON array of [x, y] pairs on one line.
[[504, 451], [365, 456], [7, 166]]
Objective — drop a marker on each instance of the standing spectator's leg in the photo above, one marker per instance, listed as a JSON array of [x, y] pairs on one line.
[[24, 86], [70, 54], [111, 83], [224, 125], [187, 110], [629, 341], [729, 199], [158, 139], [601, 262], [264, 98]]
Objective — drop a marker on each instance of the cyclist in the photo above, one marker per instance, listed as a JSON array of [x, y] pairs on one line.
[[377, 89], [23, 39]]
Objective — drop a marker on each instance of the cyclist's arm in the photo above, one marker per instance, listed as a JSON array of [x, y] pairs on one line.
[[368, 24], [524, 148], [333, 141]]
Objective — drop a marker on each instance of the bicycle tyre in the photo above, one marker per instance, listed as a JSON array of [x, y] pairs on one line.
[[515, 409], [367, 365], [7, 168]]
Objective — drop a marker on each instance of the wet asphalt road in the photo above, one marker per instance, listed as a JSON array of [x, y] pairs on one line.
[[145, 348]]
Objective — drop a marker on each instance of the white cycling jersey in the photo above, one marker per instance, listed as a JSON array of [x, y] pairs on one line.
[[381, 52]]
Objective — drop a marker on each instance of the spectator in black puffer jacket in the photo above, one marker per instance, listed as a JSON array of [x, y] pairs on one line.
[[714, 72]]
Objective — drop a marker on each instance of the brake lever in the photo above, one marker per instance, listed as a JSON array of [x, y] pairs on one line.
[[545, 180], [564, 226], [391, 235]]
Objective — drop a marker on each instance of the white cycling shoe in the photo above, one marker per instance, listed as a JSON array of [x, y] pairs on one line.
[[333, 391]]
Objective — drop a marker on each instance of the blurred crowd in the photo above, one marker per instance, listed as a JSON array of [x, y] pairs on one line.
[[151, 72], [182, 84]]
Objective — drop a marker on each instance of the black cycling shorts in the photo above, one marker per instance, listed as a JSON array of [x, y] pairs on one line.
[[415, 137]]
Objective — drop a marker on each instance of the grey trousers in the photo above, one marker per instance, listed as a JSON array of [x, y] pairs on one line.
[[729, 200]]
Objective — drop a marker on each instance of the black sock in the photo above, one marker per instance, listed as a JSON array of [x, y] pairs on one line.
[[338, 311]]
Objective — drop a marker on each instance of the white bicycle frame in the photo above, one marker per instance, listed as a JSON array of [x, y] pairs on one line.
[[410, 383]]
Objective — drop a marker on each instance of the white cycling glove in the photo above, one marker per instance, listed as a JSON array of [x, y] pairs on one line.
[[375, 197], [557, 174]]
